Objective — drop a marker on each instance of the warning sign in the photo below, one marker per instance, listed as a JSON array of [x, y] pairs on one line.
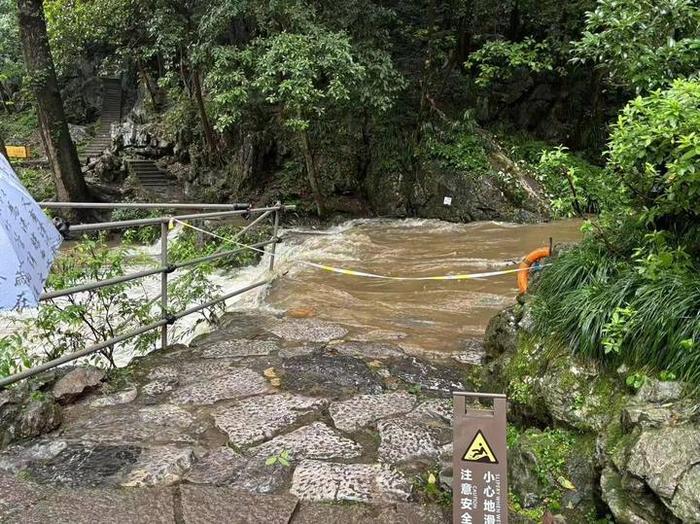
[[17, 151], [480, 483], [479, 450]]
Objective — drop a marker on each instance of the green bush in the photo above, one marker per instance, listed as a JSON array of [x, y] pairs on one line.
[[654, 152], [623, 309]]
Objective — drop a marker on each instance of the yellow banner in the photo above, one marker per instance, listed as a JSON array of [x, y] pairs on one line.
[[17, 151]]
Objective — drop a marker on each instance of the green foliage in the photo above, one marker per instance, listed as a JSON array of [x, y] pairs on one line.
[[573, 186], [643, 45], [655, 153], [282, 458], [190, 244], [68, 324], [500, 60], [11, 65], [604, 307], [38, 182], [460, 147], [431, 491]]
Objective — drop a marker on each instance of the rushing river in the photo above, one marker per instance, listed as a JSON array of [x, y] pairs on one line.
[[418, 315]]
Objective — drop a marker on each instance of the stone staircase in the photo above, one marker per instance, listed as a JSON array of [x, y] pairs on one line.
[[111, 112], [153, 179]]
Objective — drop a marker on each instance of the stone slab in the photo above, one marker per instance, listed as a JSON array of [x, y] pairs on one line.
[[25, 502], [401, 513], [160, 466], [237, 383], [362, 410], [163, 423], [323, 481], [219, 466], [329, 375], [237, 348], [207, 505], [369, 350], [257, 419], [308, 330], [405, 439], [316, 441]]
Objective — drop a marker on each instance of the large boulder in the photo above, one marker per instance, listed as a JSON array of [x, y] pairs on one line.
[[26, 414], [77, 382]]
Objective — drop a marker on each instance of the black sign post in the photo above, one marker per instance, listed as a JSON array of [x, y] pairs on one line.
[[480, 467]]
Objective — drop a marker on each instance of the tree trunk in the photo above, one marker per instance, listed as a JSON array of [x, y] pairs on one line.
[[61, 152], [209, 135], [311, 172]]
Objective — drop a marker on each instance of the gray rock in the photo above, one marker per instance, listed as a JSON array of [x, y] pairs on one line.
[[77, 382], [501, 335], [405, 439], [82, 465], [125, 424], [256, 419], [18, 458], [308, 330], [656, 391], [328, 375], [238, 383], [238, 348], [630, 507], [661, 457], [369, 350], [316, 441], [157, 387], [78, 134], [25, 502], [219, 466], [115, 399], [322, 481], [686, 501], [162, 465], [38, 417], [206, 505], [433, 410], [360, 411]]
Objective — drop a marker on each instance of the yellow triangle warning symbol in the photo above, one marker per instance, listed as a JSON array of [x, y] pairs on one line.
[[480, 451]]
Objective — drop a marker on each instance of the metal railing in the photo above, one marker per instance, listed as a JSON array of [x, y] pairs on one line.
[[218, 211]]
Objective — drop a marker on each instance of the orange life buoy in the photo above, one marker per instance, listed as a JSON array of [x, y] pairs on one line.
[[531, 258]]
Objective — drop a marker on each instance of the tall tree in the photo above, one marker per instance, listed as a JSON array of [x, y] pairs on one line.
[[60, 149]]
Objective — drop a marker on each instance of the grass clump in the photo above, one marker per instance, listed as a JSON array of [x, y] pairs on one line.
[[621, 309]]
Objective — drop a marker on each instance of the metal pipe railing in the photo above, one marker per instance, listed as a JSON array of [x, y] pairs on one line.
[[163, 270], [140, 205], [216, 256], [89, 286]]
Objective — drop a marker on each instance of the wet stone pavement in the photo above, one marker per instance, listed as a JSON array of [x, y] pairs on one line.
[[265, 420]]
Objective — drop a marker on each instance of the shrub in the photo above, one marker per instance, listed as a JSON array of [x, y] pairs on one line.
[[654, 152]]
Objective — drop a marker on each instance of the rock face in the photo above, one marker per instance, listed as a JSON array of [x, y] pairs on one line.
[[77, 382], [644, 466], [25, 414]]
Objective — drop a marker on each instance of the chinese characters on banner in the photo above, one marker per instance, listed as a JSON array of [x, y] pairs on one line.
[[480, 485]]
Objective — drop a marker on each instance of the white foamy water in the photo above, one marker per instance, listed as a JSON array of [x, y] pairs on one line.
[[435, 316]]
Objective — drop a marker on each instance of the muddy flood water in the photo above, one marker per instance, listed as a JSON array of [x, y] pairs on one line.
[[418, 315]]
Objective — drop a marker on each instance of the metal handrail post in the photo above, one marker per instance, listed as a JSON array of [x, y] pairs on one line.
[[273, 248], [164, 226]]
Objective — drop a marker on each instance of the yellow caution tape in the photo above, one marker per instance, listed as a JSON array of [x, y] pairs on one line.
[[442, 277]]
